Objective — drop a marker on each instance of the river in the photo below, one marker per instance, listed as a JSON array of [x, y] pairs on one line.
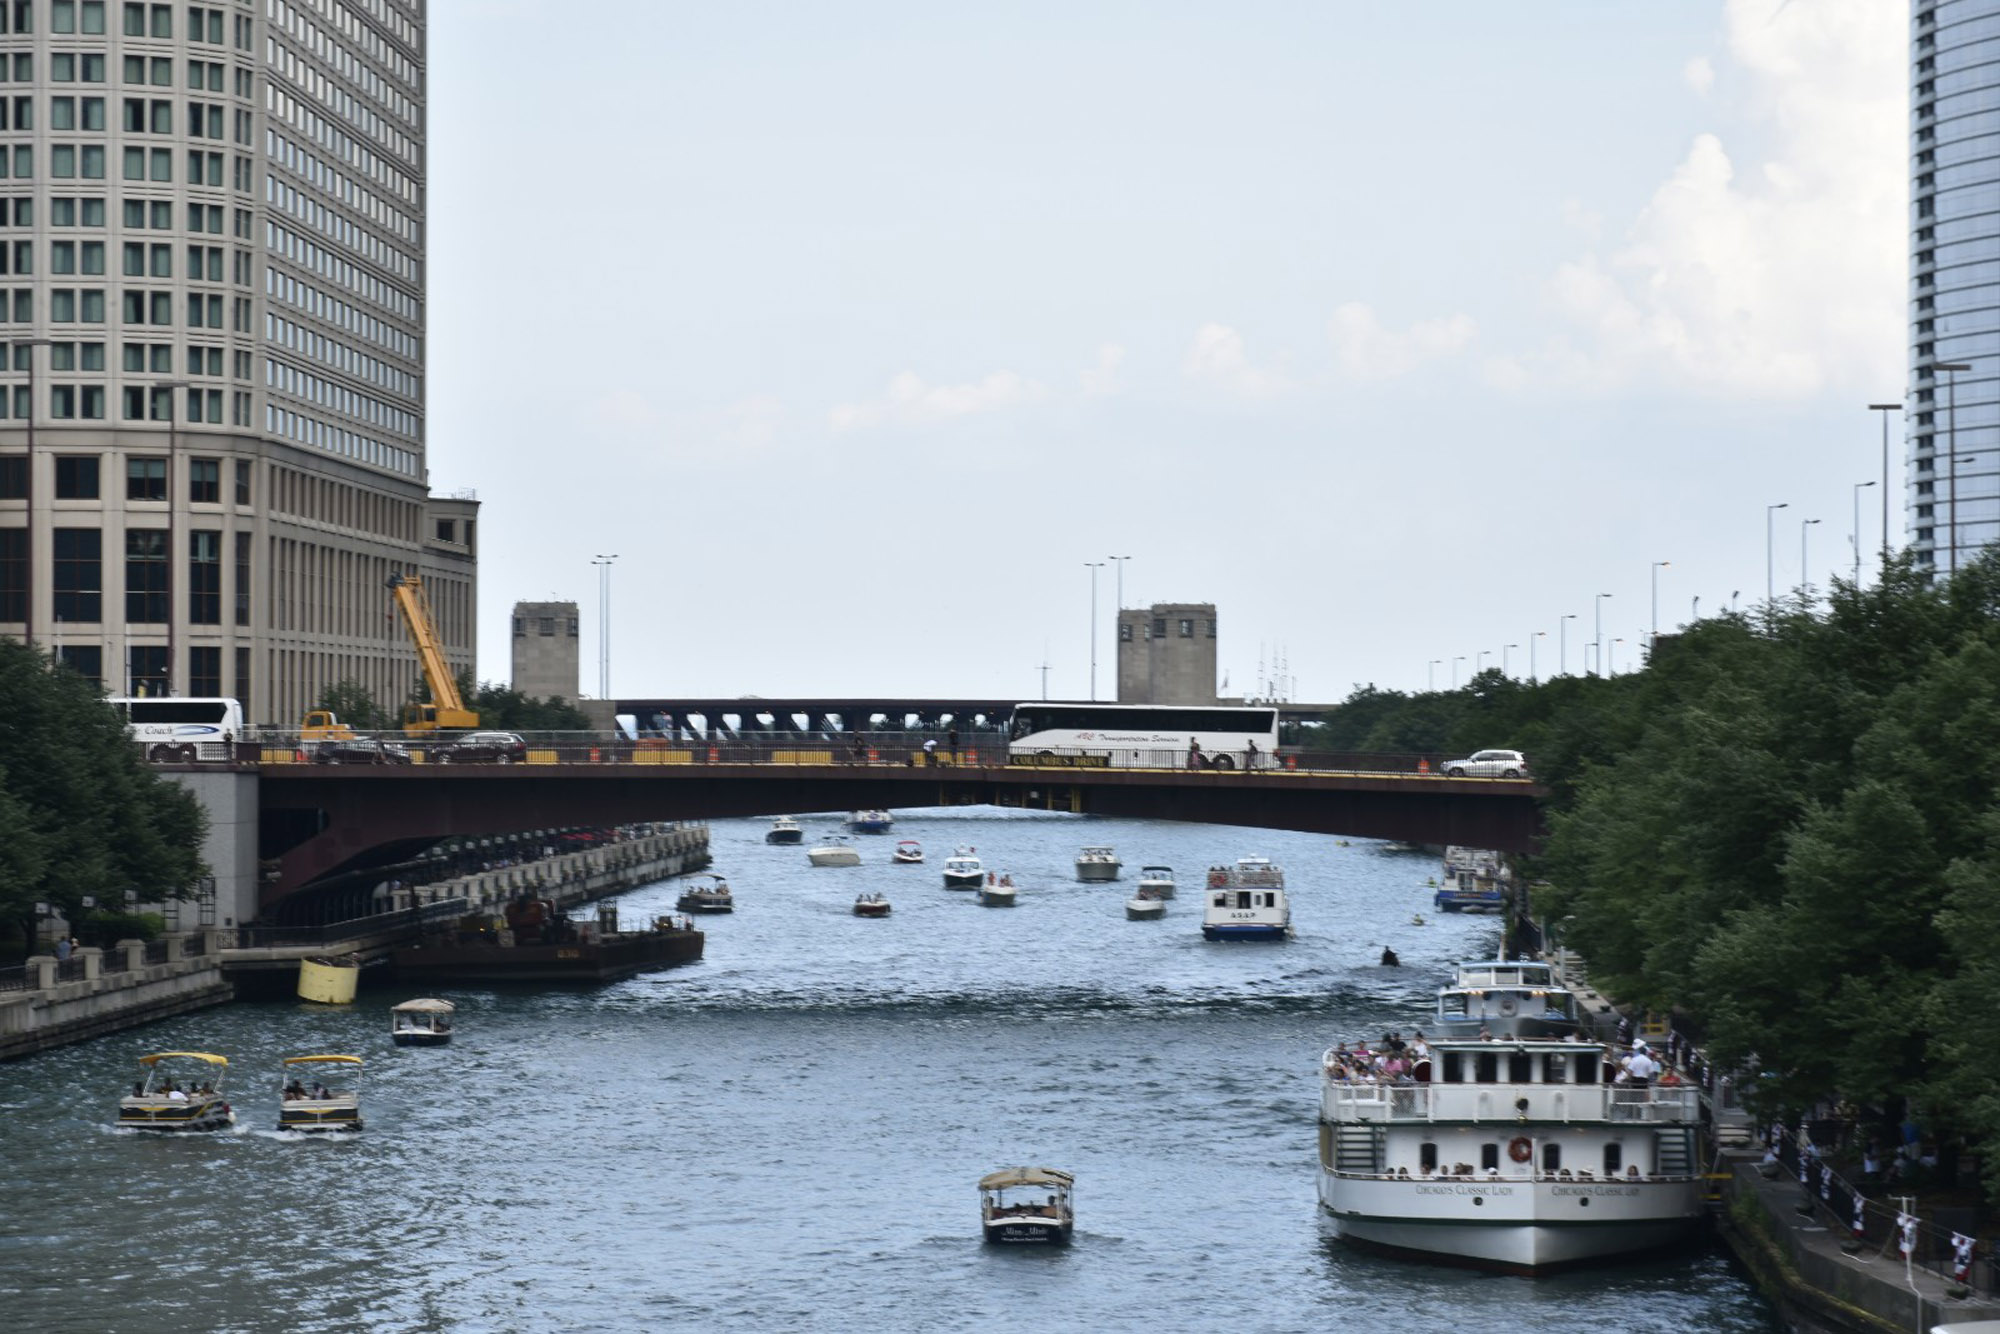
[[786, 1136]]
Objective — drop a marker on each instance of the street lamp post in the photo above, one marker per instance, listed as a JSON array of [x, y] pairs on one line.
[[1598, 638], [1454, 670], [1505, 650], [1533, 677], [1805, 578], [1885, 409], [1654, 633], [1858, 488], [1562, 655], [1093, 566], [1479, 664], [1770, 578], [1121, 579], [603, 564], [1951, 370], [1695, 613], [1430, 675], [173, 529], [1614, 657]]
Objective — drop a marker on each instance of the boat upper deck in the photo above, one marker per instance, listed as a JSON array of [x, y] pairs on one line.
[[1516, 1080]]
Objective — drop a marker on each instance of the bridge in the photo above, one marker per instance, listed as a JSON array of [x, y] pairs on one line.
[[319, 821]]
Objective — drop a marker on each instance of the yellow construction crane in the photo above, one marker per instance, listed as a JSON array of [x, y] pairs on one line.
[[447, 710]]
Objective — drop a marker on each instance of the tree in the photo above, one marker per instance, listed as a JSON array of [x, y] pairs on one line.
[[354, 704], [507, 708]]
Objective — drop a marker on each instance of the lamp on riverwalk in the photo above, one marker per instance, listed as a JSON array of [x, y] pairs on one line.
[[1885, 409], [1430, 675], [1770, 582], [1539, 634], [1454, 670], [603, 564], [1505, 649], [1653, 633]]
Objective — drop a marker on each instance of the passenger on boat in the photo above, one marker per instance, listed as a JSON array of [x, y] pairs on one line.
[[174, 1093], [294, 1090]]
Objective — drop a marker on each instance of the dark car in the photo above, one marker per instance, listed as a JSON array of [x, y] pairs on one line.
[[360, 750], [480, 748]]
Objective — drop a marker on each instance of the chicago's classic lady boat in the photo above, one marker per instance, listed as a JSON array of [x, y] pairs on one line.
[[182, 1090], [1246, 902], [964, 870], [1159, 879], [708, 893], [784, 830], [835, 851], [1097, 864], [320, 1094], [908, 852], [1027, 1205], [1513, 1154], [425, 1022]]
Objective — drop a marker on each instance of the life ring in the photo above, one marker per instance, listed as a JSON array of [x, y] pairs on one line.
[[1508, 1005], [1520, 1148]]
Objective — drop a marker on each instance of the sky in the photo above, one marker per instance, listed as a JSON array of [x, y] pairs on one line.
[[1398, 332]]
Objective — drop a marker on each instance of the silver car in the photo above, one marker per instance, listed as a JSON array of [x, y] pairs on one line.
[[1489, 764]]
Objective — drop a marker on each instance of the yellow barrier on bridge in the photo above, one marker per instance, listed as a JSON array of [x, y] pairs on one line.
[[663, 757], [801, 757], [545, 757], [274, 755]]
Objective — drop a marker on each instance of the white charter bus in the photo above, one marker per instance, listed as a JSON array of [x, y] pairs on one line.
[[171, 728], [1149, 736]]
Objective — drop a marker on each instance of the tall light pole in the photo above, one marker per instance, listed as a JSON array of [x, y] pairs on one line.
[[1951, 370], [1858, 488], [1885, 409], [1479, 663], [1653, 634], [1805, 575], [173, 529], [1533, 678], [1562, 658], [1430, 675], [1614, 657], [1598, 639], [1505, 649], [1454, 670], [1121, 580], [28, 565], [1770, 579], [603, 564], [1093, 566], [1694, 614]]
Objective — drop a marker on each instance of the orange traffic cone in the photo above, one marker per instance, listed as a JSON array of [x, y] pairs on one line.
[[1423, 766]]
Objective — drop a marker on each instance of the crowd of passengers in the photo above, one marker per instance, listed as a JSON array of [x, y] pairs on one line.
[[1028, 1210], [1397, 1061]]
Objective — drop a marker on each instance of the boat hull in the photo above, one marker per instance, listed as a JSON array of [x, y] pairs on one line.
[[871, 910], [1145, 912], [1512, 1226], [785, 837], [1163, 888], [970, 880], [599, 961], [318, 1117], [1000, 896], [834, 857], [1027, 1232], [419, 1039], [1096, 872], [869, 826], [1243, 931], [688, 903], [160, 1114]]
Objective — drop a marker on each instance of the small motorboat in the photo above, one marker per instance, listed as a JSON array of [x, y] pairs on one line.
[[908, 852], [964, 870], [319, 1106], [870, 905], [1146, 906], [1027, 1206], [997, 891], [835, 851], [182, 1090], [709, 893], [869, 822], [1097, 864], [421, 1023], [1159, 879], [785, 830]]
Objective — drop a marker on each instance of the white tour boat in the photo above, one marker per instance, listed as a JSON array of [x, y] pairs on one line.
[[997, 892], [836, 851], [1246, 902], [1159, 879], [1027, 1205], [1097, 864], [1512, 1154], [320, 1094], [785, 830], [1146, 906], [908, 852], [964, 870], [1506, 998], [182, 1090], [425, 1022]]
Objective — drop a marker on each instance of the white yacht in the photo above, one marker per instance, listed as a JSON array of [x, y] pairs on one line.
[[835, 851], [784, 831], [1246, 902], [964, 870], [1512, 1154], [1158, 879], [1097, 864]]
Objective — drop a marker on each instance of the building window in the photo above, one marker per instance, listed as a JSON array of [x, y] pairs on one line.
[[146, 575], [548, 627], [1211, 629], [243, 481], [204, 670], [1124, 632], [1159, 627], [520, 627], [447, 531], [78, 571], [1187, 628], [1614, 1159], [146, 670], [205, 582], [145, 479], [76, 478], [572, 627], [13, 480], [243, 578], [205, 481], [86, 660], [13, 574]]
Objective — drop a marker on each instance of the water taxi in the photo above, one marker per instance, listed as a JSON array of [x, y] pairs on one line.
[[1246, 902], [964, 870], [1146, 906], [997, 892], [1513, 1154], [320, 1094], [870, 905], [869, 822], [836, 851], [1159, 879], [182, 1090], [425, 1022], [908, 852], [708, 893], [1027, 1205], [784, 830], [1096, 864]]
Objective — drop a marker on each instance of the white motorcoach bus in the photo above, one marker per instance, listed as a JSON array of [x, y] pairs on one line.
[[170, 728], [1150, 736]]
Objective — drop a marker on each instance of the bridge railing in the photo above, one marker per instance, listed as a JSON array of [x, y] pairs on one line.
[[251, 936]]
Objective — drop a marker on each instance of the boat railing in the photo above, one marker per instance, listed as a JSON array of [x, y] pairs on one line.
[[1397, 1102]]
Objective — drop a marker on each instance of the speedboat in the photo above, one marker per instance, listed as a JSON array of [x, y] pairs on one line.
[[1246, 902], [785, 830], [1511, 1154], [836, 851], [908, 852], [1095, 864], [869, 822], [997, 892], [182, 1090], [709, 893], [1159, 879], [1027, 1206], [964, 870], [1510, 998], [1146, 906], [421, 1023], [309, 1102], [870, 905]]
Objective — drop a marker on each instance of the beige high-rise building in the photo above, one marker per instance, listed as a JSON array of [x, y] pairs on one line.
[[1166, 654], [547, 654], [212, 259]]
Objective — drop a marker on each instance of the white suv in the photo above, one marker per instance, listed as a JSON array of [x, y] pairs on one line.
[[1489, 764]]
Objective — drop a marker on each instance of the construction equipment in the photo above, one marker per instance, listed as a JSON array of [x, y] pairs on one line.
[[323, 725], [446, 710]]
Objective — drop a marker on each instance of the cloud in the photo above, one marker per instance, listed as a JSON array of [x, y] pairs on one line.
[[1364, 350], [1102, 378], [1699, 75], [1767, 281], [908, 401], [1216, 358]]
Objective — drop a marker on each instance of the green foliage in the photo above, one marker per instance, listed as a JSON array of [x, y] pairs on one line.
[[508, 709], [80, 813], [354, 705]]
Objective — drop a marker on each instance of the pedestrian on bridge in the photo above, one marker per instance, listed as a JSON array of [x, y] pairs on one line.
[[930, 751], [1194, 753], [951, 744]]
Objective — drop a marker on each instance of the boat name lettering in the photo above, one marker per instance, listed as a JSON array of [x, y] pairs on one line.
[[1465, 1190], [1593, 1190]]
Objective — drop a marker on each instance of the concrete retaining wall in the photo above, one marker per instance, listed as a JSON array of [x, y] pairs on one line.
[[59, 1012]]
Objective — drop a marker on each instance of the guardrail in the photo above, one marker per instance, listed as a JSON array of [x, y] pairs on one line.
[[15, 978], [327, 933]]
